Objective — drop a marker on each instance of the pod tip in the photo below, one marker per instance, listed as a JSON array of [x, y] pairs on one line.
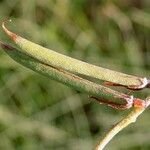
[[12, 35]]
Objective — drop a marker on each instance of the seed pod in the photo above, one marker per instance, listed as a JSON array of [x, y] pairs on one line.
[[50, 57]]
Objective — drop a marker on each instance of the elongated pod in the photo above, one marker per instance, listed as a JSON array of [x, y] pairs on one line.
[[64, 77], [58, 60]]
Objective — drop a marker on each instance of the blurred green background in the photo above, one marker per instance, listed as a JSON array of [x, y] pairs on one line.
[[37, 113]]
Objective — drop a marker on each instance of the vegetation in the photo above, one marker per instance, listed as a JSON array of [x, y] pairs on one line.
[[37, 113]]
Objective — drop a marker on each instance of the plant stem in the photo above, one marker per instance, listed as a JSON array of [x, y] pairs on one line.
[[55, 59], [130, 118]]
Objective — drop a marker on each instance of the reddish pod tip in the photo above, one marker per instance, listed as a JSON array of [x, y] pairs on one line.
[[12, 35]]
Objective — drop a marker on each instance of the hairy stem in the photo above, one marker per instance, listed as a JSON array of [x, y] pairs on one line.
[[130, 118]]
